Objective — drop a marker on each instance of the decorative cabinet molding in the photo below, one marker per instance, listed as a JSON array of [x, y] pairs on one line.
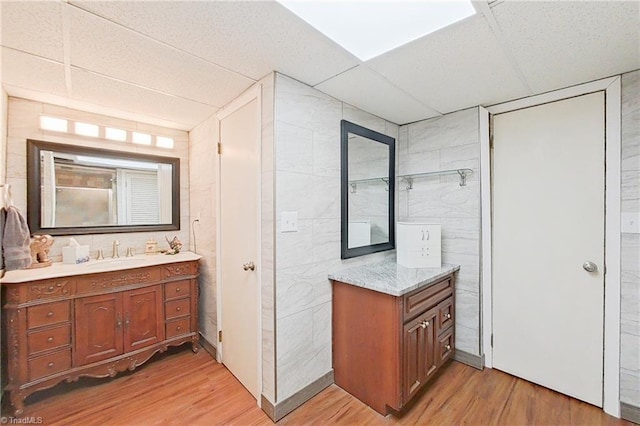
[[95, 325], [385, 347]]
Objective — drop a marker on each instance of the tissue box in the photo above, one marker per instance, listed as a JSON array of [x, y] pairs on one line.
[[75, 254]]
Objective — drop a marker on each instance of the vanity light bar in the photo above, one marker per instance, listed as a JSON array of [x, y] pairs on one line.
[[79, 128]]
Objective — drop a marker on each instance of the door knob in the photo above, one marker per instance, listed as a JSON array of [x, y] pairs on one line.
[[249, 266], [590, 266]]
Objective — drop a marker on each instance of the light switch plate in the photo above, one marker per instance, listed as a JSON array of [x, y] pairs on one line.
[[289, 222], [630, 222]]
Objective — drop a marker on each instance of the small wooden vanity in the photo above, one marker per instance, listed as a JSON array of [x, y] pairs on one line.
[[393, 329], [94, 319]]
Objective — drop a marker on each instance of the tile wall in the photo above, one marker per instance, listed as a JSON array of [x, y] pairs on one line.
[[630, 250], [23, 124], [444, 143], [307, 180]]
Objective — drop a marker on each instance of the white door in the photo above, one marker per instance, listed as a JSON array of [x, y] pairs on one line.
[[239, 174], [548, 220]]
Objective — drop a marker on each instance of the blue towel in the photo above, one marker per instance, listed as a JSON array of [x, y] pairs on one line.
[[16, 239]]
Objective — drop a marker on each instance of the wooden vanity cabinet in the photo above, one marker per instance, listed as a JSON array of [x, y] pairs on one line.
[[386, 348], [95, 325]]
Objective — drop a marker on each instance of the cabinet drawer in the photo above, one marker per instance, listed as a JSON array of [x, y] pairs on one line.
[[177, 289], [420, 300], [178, 327], [49, 364], [177, 308], [112, 280], [52, 338], [445, 314], [445, 347], [51, 313], [178, 269]]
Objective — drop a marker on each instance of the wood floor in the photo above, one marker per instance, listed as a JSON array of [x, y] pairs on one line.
[[182, 388]]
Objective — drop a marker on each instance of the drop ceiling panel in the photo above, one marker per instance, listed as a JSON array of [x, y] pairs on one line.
[[109, 49], [458, 67], [369, 91], [32, 72], [98, 90], [33, 27], [252, 38], [563, 43]]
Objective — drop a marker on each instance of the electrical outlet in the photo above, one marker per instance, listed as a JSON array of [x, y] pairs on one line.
[[289, 222], [630, 223]]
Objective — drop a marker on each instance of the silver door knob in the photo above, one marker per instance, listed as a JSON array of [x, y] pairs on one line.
[[590, 266], [249, 266]]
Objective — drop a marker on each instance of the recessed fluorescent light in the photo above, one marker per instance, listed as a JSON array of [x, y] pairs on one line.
[[164, 142], [52, 123], [371, 28], [115, 134]]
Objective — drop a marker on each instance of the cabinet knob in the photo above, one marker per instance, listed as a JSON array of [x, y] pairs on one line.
[[178, 308], [425, 324], [178, 328], [177, 289], [447, 347], [50, 339], [50, 365], [49, 314], [447, 315]]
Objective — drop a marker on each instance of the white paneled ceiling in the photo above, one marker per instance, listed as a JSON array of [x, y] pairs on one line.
[[175, 63]]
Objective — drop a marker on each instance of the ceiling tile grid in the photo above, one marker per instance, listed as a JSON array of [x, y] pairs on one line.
[[458, 67], [105, 48], [33, 27], [563, 43], [252, 38]]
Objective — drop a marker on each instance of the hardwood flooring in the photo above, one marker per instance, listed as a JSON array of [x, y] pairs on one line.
[[182, 388]]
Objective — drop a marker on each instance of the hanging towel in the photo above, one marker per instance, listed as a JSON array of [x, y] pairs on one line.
[[16, 239]]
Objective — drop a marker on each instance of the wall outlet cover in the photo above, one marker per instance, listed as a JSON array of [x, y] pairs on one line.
[[289, 222]]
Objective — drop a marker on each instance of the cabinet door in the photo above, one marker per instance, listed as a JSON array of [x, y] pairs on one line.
[[144, 322], [419, 355], [430, 360], [98, 323]]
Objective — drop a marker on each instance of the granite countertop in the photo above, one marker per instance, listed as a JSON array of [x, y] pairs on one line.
[[390, 278], [57, 270]]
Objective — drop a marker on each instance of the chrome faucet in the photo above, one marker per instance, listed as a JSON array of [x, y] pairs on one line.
[[115, 249]]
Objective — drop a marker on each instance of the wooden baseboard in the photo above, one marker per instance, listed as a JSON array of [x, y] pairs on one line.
[[474, 361], [281, 409], [208, 347], [630, 412]]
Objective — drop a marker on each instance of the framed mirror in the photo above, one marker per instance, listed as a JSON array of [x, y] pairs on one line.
[[367, 184], [77, 190]]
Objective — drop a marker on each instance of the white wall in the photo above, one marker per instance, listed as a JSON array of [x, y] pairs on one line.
[[23, 124], [307, 180], [630, 250], [444, 143]]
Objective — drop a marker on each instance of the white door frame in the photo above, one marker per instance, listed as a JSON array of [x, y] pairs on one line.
[[254, 92], [611, 86]]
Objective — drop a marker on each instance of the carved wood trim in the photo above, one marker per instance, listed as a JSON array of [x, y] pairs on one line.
[[49, 289], [179, 269], [111, 282], [13, 294]]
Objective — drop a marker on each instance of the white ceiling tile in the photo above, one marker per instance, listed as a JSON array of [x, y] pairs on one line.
[[94, 89], [563, 43], [33, 72], [33, 27], [109, 49], [452, 69], [252, 38], [369, 91]]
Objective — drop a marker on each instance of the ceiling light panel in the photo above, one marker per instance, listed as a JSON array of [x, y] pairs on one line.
[[370, 28]]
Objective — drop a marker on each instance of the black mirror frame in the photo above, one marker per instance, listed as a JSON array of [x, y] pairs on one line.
[[34, 195], [347, 127]]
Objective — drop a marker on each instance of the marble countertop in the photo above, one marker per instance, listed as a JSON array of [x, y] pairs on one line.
[[57, 270], [390, 278]]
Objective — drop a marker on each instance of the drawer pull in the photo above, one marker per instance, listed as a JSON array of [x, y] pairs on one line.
[[447, 347], [178, 308], [177, 289], [50, 365], [49, 314], [424, 324], [178, 328], [447, 315], [50, 339]]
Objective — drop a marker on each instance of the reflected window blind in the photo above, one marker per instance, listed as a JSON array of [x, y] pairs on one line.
[[143, 198]]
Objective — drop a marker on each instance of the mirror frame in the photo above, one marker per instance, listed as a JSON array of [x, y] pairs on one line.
[[347, 127], [34, 194]]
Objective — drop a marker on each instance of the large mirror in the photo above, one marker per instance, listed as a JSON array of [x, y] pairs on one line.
[[77, 190], [367, 182]]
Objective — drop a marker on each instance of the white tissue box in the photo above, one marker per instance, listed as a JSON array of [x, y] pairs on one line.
[[75, 254]]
